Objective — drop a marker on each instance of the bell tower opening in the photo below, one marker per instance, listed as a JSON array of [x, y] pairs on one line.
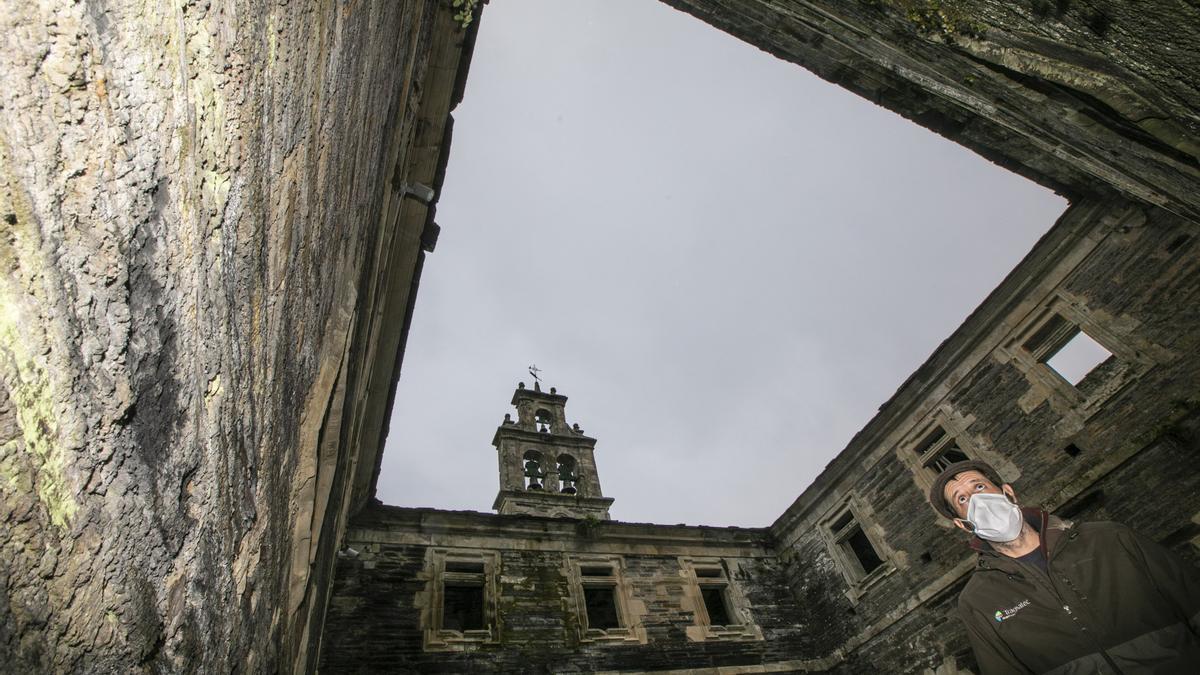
[[566, 474], [547, 466], [533, 470]]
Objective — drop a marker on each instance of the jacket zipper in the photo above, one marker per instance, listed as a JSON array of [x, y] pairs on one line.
[[1049, 581]]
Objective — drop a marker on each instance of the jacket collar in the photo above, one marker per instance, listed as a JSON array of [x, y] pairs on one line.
[[1050, 530], [1037, 519]]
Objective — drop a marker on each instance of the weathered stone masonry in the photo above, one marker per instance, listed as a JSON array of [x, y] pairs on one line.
[[1131, 455], [375, 618], [212, 224], [206, 245], [1097, 100]]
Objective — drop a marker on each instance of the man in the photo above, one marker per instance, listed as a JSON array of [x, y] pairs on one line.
[[1049, 596]]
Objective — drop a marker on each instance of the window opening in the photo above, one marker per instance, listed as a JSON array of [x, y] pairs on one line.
[[863, 551], [601, 603], [1050, 337], [567, 476], [720, 611], [842, 521], [939, 450], [714, 604], [850, 537], [544, 421], [1079, 356], [533, 470], [462, 593], [462, 608]]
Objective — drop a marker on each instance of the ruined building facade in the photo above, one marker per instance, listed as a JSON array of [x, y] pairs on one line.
[[213, 219]]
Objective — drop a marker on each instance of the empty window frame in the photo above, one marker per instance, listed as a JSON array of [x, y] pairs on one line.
[[602, 601], [462, 607], [937, 450], [462, 599], [598, 582], [715, 605], [712, 583], [719, 609], [936, 442], [1066, 349], [854, 545], [1073, 359], [863, 560]]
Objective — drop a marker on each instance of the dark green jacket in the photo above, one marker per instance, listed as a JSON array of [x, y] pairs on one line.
[[1113, 602]]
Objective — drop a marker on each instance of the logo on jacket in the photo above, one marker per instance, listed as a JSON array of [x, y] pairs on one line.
[[1003, 614]]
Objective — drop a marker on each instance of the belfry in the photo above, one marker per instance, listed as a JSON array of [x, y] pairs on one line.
[[547, 467]]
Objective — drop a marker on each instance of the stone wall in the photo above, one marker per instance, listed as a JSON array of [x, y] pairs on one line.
[[374, 623], [210, 256], [193, 204], [1075, 94], [1119, 444], [1123, 449]]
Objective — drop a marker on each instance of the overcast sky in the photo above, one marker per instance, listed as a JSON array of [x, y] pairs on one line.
[[725, 262]]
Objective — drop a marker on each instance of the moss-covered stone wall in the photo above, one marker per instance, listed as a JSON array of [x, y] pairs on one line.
[[1075, 94], [191, 194], [1119, 447], [375, 618]]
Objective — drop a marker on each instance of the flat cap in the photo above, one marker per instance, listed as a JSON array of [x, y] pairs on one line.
[[938, 500]]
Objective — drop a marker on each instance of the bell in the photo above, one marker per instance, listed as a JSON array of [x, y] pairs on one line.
[[534, 486], [568, 490]]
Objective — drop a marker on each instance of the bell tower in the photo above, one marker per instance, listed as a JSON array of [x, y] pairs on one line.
[[547, 468]]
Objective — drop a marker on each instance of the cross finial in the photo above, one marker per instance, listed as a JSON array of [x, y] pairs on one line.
[[534, 370]]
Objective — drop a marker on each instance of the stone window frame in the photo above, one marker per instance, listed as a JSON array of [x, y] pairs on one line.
[[857, 579], [1047, 383], [435, 637], [631, 629], [920, 460], [736, 603], [955, 426]]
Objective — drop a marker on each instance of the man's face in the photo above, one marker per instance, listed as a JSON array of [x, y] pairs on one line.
[[959, 489]]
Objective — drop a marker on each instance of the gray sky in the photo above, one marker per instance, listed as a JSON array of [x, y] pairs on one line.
[[725, 262]]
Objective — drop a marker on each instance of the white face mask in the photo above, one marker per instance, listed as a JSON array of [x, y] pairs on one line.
[[994, 517]]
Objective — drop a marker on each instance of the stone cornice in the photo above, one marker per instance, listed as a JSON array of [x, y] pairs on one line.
[[435, 527]]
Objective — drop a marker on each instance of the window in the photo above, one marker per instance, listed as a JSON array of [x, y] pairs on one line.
[[462, 607], [849, 536], [864, 560], [720, 612], [567, 475], [1075, 359], [939, 440], [1066, 349], [938, 450], [715, 605], [533, 470], [544, 421], [1080, 356], [460, 599], [601, 603], [604, 607]]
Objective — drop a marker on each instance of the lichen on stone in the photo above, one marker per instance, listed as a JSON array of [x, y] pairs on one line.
[[939, 17]]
